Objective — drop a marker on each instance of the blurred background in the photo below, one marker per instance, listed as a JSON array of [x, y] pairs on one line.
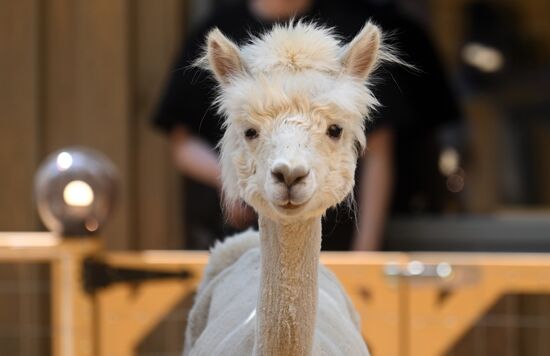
[[91, 73]]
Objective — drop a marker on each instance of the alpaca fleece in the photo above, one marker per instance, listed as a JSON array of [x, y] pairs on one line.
[[223, 319]]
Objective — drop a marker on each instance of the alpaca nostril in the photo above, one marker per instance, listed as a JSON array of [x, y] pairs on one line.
[[278, 176], [289, 177], [300, 176], [280, 171]]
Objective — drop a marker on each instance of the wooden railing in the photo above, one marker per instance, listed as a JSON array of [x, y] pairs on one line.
[[411, 304]]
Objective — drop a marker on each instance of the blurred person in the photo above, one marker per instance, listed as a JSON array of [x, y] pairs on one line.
[[412, 106]]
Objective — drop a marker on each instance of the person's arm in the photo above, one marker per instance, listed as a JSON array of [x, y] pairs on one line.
[[196, 159], [376, 190]]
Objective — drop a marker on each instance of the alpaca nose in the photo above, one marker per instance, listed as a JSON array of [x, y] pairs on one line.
[[282, 172]]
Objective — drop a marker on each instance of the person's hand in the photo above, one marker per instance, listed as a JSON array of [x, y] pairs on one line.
[[240, 215]]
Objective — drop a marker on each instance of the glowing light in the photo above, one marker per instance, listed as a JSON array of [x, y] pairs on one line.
[[78, 193], [485, 58], [449, 161], [444, 270], [415, 268], [64, 161]]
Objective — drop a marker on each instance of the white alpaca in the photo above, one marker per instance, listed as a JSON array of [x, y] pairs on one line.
[[294, 100]]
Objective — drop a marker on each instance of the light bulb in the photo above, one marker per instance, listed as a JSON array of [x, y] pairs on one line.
[[78, 193]]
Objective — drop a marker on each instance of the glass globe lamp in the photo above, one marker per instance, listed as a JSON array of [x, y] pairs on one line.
[[75, 190]]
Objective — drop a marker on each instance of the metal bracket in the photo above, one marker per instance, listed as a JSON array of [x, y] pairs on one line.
[[98, 275]]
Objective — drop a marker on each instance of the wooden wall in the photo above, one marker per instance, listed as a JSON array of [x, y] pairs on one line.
[[81, 72], [89, 73]]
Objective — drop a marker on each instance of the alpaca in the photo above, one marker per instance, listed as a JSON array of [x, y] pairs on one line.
[[294, 101]]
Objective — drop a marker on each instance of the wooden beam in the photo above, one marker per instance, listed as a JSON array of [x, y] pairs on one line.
[[20, 105], [156, 38], [19, 112], [73, 313]]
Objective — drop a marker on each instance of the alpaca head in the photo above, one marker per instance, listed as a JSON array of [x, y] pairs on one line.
[[294, 101]]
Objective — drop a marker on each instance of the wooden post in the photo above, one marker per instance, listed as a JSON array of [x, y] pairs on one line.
[[72, 308]]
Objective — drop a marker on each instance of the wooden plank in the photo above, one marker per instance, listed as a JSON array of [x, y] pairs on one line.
[[157, 35], [19, 105], [103, 103], [73, 309], [60, 121], [19, 113]]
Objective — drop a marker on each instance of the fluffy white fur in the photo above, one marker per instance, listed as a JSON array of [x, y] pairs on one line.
[[295, 69], [267, 295], [222, 321]]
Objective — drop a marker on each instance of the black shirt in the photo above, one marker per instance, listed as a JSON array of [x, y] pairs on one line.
[[410, 100], [413, 102]]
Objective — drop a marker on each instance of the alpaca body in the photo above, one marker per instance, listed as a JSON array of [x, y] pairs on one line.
[[294, 101], [223, 321]]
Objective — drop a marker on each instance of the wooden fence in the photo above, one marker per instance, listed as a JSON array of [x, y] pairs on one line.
[[411, 304]]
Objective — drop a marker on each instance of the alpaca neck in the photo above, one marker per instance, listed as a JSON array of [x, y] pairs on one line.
[[287, 302]]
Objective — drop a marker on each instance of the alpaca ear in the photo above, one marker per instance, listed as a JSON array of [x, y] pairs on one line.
[[223, 56], [361, 54]]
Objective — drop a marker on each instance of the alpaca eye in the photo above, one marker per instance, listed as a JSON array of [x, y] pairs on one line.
[[251, 134], [334, 131]]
